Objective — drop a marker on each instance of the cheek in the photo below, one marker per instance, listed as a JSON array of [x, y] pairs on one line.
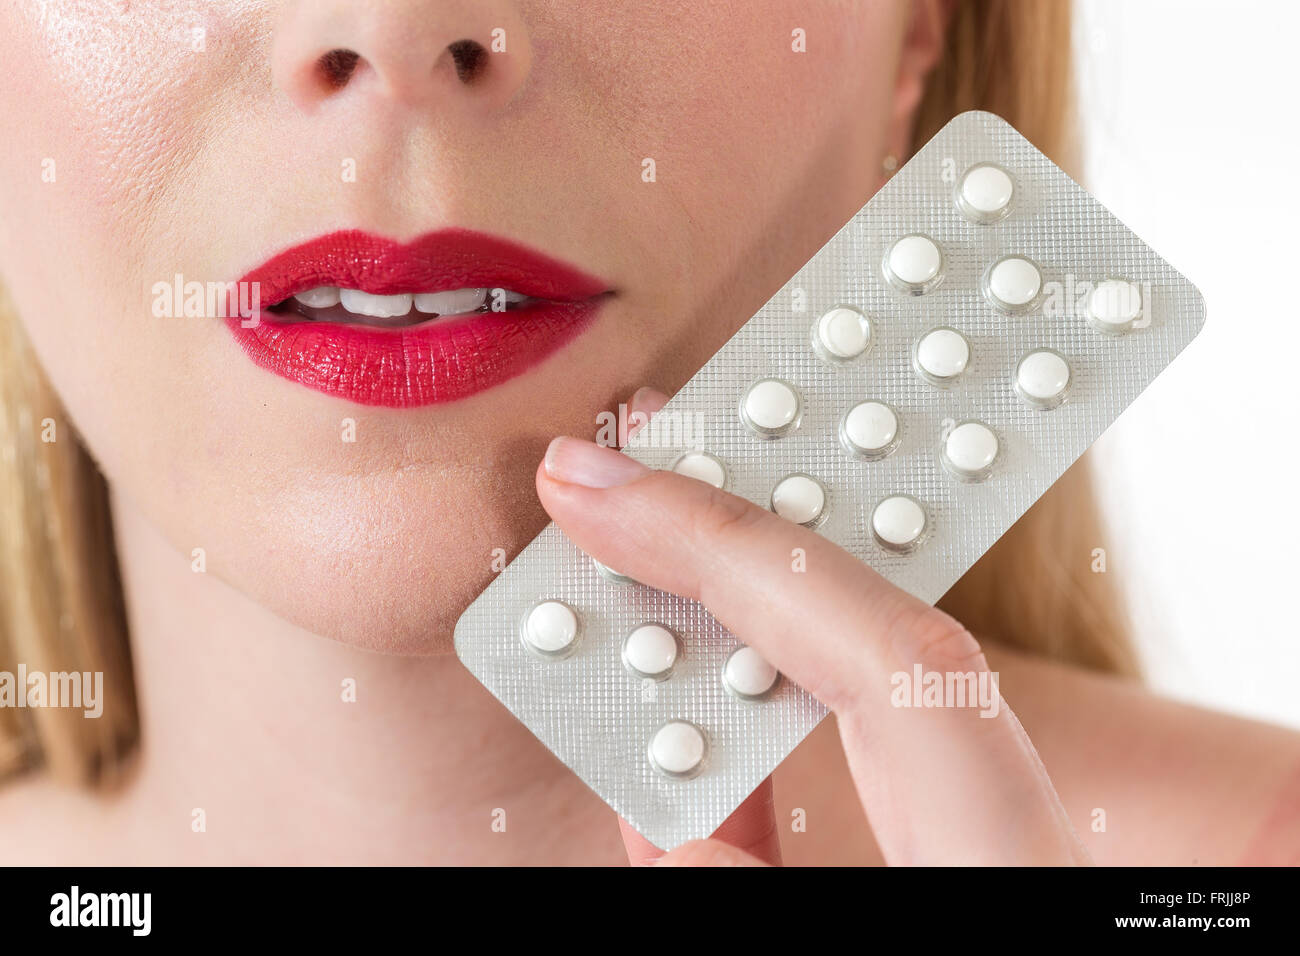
[[102, 125], [766, 123], [114, 101]]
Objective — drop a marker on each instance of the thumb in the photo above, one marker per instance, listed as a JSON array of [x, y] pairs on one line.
[[746, 838]]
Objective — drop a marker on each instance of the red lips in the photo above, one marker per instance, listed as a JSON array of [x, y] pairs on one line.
[[441, 360]]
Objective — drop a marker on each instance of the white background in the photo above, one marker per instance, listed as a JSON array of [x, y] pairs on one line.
[[1189, 116]]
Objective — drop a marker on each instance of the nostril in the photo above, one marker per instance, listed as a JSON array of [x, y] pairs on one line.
[[470, 58], [337, 66]]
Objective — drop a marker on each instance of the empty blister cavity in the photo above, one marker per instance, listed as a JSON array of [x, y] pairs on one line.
[[679, 749], [748, 675], [550, 629], [914, 264], [702, 466], [800, 498], [898, 523], [870, 430], [941, 356], [1042, 378], [1012, 284], [969, 450], [1114, 306], [651, 651], [771, 408], [984, 193], [842, 335]]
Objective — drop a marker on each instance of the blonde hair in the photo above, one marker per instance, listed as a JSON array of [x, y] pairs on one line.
[[61, 606], [61, 603]]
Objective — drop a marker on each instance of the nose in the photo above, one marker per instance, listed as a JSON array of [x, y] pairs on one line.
[[416, 54]]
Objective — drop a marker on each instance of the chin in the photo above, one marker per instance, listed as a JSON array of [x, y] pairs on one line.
[[384, 562]]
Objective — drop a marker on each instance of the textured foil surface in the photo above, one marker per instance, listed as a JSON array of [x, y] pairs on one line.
[[598, 718]]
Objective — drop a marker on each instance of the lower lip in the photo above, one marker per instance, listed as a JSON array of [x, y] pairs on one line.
[[441, 361]]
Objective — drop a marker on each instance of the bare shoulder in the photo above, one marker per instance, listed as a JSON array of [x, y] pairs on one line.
[[1145, 780], [1150, 780]]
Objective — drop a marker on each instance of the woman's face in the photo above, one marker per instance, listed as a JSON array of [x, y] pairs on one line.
[[151, 139]]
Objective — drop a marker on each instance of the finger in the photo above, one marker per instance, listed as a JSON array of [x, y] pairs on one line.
[[645, 401], [751, 829], [760, 575], [948, 784], [709, 853]]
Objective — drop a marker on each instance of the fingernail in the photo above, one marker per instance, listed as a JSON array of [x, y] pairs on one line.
[[648, 400], [578, 462]]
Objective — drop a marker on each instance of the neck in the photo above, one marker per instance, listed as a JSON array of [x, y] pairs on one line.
[[297, 749]]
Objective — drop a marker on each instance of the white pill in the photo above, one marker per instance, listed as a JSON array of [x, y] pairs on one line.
[[914, 263], [942, 355], [800, 498], [650, 650], [1043, 378], [771, 407], [551, 627], [898, 522], [678, 748], [985, 192], [746, 674], [1013, 283], [969, 450], [843, 333], [869, 430], [1114, 305], [703, 466]]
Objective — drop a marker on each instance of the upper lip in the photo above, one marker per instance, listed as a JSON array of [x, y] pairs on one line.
[[434, 262]]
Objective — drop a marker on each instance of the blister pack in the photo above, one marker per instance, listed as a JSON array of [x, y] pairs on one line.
[[909, 393]]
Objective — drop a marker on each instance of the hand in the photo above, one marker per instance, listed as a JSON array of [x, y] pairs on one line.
[[940, 785]]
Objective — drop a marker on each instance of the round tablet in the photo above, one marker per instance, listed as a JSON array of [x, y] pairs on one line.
[[1114, 305], [941, 355], [702, 465], [984, 193], [551, 628], [746, 674], [800, 498], [650, 651], [1012, 284], [869, 430], [914, 264], [842, 334], [969, 450], [1043, 378], [771, 408], [678, 749], [898, 522]]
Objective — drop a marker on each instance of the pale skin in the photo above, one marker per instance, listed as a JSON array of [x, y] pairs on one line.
[[328, 563]]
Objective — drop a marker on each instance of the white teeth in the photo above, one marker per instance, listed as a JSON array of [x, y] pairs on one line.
[[454, 302], [449, 302], [378, 306], [322, 297]]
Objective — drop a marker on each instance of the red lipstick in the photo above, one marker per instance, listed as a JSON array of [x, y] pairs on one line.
[[439, 360]]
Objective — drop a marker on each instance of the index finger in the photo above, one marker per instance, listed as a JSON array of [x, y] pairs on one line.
[[752, 828]]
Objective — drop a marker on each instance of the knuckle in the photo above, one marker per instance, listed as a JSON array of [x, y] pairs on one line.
[[722, 515], [939, 640]]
